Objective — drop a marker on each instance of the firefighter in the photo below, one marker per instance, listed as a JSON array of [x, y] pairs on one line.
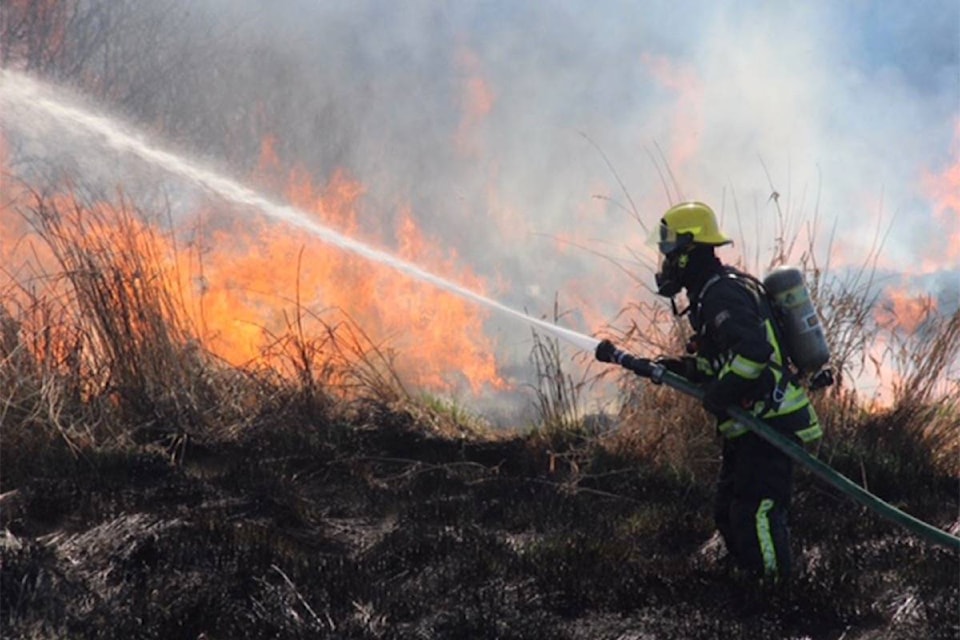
[[738, 359]]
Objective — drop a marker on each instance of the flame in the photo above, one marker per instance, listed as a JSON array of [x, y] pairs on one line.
[[39, 298], [901, 315], [686, 113], [477, 99], [259, 270], [246, 282], [450, 329], [903, 311], [943, 189]]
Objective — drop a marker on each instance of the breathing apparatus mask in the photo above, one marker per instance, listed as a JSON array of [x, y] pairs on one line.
[[669, 278], [675, 249]]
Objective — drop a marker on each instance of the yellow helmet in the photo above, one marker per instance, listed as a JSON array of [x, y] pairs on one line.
[[688, 223]]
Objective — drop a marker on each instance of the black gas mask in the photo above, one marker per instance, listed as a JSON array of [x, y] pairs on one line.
[[675, 249], [670, 277]]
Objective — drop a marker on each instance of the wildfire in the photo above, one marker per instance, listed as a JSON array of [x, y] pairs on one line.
[[477, 100], [245, 281], [943, 189], [687, 113], [904, 311], [901, 315]]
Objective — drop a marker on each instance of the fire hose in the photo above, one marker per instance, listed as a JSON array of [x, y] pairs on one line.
[[658, 374]]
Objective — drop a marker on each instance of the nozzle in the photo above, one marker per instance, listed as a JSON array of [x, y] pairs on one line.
[[644, 367], [606, 351]]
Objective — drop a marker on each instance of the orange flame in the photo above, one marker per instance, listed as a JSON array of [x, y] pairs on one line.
[[687, 112], [901, 315], [904, 311], [243, 279], [259, 269], [477, 100], [944, 190]]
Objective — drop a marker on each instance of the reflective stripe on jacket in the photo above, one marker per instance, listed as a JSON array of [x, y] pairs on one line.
[[737, 337]]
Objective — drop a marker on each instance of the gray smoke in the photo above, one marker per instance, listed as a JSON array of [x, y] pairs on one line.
[[511, 129]]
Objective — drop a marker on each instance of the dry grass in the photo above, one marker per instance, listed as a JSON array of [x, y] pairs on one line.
[[920, 426], [95, 350], [557, 392], [98, 353]]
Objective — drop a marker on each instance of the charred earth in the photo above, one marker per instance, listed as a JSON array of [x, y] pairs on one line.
[[376, 526]]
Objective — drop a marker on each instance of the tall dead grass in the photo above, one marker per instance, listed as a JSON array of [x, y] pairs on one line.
[[923, 411], [96, 350]]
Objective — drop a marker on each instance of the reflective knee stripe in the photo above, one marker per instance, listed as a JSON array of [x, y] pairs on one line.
[[768, 551]]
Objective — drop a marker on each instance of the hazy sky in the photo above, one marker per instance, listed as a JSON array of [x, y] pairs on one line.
[[496, 120], [852, 107]]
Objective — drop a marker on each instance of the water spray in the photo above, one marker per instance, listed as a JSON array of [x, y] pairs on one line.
[[27, 94]]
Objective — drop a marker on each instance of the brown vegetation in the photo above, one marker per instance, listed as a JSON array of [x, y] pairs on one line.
[[149, 490]]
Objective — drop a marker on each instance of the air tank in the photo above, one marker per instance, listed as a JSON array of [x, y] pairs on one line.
[[806, 343]]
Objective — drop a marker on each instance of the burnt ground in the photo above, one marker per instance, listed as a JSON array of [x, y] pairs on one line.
[[380, 530]]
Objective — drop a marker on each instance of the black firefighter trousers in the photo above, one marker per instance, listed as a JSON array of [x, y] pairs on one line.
[[753, 500]]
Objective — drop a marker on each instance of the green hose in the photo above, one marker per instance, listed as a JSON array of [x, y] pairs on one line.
[[822, 470]]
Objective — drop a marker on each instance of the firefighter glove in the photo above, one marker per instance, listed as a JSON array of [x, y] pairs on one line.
[[685, 367], [731, 389]]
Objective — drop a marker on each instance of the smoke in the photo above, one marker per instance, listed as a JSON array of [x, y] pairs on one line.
[[530, 137], [476, 113]]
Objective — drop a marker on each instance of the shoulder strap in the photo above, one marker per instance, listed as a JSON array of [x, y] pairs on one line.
[[714, 279], [760, 293], [765, 307]]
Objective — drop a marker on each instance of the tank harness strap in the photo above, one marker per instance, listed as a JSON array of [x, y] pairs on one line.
[[779, 392]]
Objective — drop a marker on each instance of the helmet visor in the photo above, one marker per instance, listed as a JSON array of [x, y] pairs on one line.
[[667, 240]]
